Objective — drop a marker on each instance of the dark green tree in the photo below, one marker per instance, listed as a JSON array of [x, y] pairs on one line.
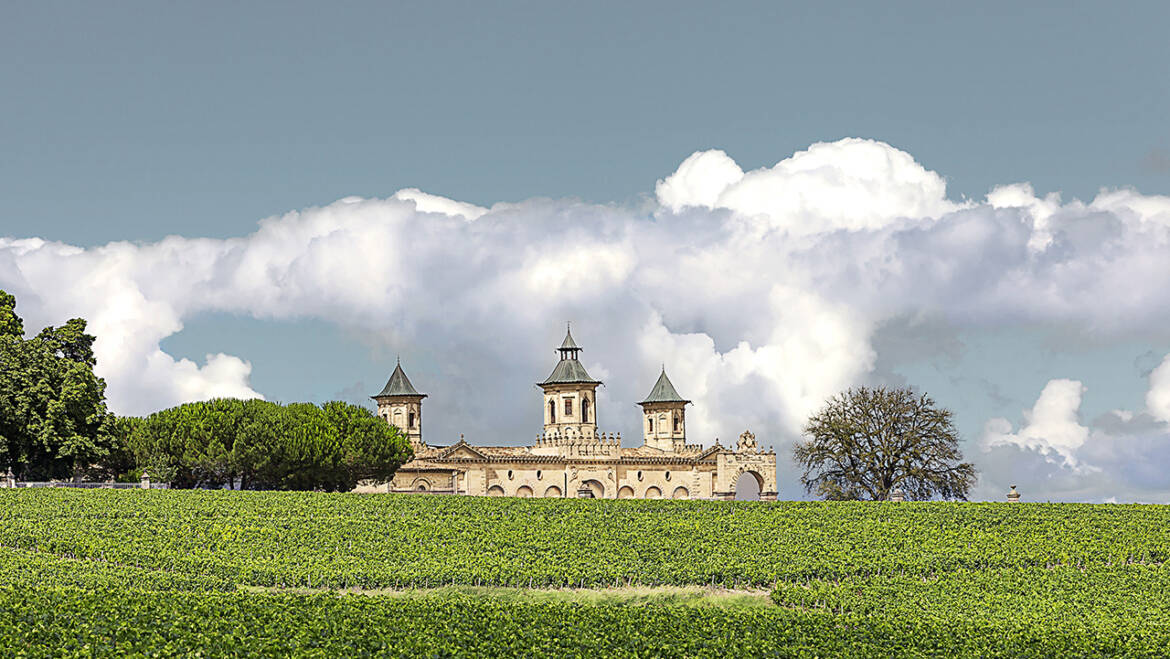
[[10, 324], [119, 463], [867, 442], [368, 451], [53, 417], [257, 444]]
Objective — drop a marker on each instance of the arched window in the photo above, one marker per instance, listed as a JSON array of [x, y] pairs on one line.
[[677, 419], [568, 407], [651, 424], [584, 410], [552, 412], [410, 420]]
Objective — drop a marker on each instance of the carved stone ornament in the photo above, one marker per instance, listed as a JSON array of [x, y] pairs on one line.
[[747, 442]]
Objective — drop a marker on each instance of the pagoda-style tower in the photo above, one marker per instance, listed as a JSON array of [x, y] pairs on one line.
[[664, 424], [401, 405], [570, 401]]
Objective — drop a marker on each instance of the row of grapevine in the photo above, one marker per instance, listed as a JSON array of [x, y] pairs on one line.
[[71, 622], [314, 540], [157, 573]]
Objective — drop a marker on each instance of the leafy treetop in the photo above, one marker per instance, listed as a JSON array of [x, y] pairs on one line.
[[867, 442]]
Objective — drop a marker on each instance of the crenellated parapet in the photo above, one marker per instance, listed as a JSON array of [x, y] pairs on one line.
[[571, 443], [572, 436]]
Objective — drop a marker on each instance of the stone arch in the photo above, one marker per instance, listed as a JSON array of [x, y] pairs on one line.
[[626, 492], [748, 485], [495, 491], [420, 485], [553, 492], [681, 492], [596, 487], [653, 492], [525, 492]]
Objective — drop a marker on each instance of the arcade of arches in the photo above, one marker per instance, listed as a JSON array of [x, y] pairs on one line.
[[572, 458]]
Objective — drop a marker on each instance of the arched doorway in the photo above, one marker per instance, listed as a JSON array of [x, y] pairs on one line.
[[524, 492], [421, 485], [596, 487], [748, 486], [626, 492], [653, 492], [553, 492], [495, 491], [681, 492]]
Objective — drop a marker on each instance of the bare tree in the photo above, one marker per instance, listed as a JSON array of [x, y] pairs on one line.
[[866, 443]]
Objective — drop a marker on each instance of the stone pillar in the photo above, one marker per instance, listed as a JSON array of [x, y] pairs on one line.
[[1013, 496], [145, 482], [9, 479], [897, 496]]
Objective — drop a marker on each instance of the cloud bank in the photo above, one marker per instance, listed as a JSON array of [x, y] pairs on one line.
[[760, 290]]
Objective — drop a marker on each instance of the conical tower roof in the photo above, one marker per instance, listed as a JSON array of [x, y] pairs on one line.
[[398, 385], [569, 343], [664, 392], [568, 370]]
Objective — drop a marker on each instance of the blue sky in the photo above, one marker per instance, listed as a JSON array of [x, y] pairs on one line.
[[573, 125]]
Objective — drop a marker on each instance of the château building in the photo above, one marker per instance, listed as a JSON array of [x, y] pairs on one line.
[[571, 457]]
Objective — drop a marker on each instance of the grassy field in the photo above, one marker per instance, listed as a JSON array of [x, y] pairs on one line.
[[104, 573]]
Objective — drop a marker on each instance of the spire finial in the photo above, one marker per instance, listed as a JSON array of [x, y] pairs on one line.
[[398, 359]]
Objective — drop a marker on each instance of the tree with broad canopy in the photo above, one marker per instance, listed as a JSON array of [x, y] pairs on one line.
[[53, 417], [868, 442]]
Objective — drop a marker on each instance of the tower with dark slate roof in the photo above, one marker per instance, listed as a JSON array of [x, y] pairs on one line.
[[664, 423], [401, 405], [570, 395]]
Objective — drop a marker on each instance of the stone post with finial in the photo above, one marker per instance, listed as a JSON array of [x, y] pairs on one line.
[[10, 479], [1013, 496], [897, 496], [144, 483]]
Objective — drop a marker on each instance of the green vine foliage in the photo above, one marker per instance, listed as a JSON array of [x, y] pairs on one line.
[[213, 573]]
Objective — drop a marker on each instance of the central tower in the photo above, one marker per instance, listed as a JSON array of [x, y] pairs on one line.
[[570, 400]]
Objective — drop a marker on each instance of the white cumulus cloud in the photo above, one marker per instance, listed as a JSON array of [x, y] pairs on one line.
[[848, 184], [760, 290], [1051, 425], [1158, 396]]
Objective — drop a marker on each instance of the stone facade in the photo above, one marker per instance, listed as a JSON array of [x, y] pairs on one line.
[[571, 458]]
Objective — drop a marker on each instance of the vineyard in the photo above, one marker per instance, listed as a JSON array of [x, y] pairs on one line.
[[172, 572]]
